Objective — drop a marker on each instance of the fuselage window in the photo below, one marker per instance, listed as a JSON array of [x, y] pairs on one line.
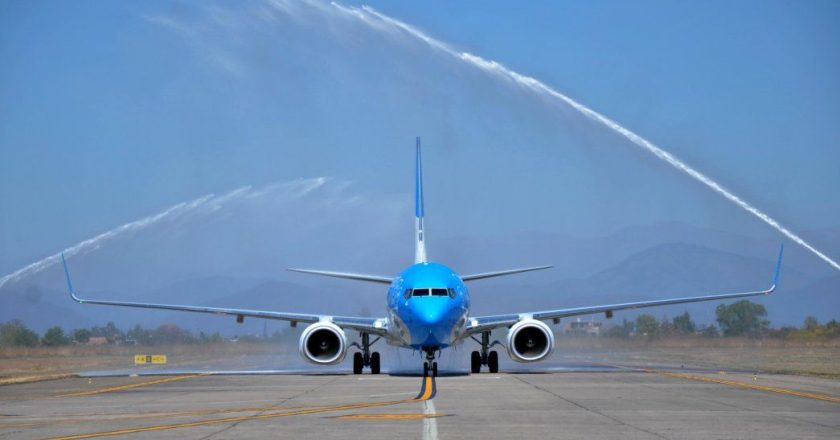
[[440, 292]]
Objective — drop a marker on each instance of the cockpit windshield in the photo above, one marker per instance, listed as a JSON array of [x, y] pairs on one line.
[[430, 292]]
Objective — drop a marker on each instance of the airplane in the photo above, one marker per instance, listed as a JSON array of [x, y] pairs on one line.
[[428, 309]]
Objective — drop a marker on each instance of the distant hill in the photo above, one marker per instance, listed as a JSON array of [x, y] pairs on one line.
[[663, 271], [820, 299], [36, 308], [41, 307], [582, 257]]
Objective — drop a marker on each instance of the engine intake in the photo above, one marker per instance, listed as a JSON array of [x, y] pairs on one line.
[[323, 343], [530, 340]]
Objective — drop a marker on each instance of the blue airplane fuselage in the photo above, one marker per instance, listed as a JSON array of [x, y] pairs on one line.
[[429, 320]]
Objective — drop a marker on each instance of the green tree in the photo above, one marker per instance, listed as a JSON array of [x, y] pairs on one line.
[[621, 331], [666, 327], [14, 333], [684, 325], [742, 318], [171, 334], [81, 335], [110, 331], [54, 337], [832, 328], [810, 324], [204, 338], [709, 331], [647, 325], [139, 334]]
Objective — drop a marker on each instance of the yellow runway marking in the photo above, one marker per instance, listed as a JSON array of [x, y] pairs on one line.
[[734, 383], [428, 389], [418, 416], [130, 386], [427, 393], [106, 417]]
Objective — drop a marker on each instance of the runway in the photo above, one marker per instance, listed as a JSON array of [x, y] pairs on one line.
[[573, 401]]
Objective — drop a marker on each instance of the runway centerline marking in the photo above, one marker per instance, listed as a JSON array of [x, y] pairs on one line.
[[430, 430], [737, 384], [129, 386], [427, 392]]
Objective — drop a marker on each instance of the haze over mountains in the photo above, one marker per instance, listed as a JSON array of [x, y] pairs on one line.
[[648, 262]]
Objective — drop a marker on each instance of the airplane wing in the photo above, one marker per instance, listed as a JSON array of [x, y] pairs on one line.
[[376, 326], [481, 276], [485, 323]]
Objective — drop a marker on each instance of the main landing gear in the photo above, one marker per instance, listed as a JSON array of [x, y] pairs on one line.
[[366, 358], [485, 356], [430, 366]]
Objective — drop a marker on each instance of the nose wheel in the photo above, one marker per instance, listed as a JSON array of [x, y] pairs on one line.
[[430, 367], [366, 358], [485, 356]]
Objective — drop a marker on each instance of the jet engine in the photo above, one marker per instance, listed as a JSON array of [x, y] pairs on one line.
[[323, 343], [530, 340]]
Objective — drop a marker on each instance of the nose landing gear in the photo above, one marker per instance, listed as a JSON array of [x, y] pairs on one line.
[[366, 358], [485, 356], [430, 367]]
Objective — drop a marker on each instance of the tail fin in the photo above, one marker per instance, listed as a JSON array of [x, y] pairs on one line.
[[419, 243]]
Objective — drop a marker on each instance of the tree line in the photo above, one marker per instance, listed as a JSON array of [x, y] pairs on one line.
[[742, 318], [16, 334]]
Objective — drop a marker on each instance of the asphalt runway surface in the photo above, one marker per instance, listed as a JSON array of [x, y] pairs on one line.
[[576, 401]]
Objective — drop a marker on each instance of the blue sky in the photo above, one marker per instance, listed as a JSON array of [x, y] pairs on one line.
[[113, 111]]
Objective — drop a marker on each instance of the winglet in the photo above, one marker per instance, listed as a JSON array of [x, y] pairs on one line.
[[69, 282], [778, 269]]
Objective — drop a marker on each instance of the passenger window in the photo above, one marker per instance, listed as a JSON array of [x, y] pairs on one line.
[[420, 292], [439, 292]]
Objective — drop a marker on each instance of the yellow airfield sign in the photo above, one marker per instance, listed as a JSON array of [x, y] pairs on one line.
[[140, 359]]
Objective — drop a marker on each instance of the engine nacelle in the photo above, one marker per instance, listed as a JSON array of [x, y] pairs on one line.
[[323, 343], [530, 340]]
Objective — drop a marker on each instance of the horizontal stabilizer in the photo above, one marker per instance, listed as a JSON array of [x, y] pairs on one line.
[[347, 275], [479, 276]]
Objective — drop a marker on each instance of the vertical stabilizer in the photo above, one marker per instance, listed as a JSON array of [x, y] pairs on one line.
[[419, 243]]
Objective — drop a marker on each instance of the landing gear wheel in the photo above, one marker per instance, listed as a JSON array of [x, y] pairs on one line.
[[425, 369], [434, 369], [475, 362], [374, 363], [357, 363], [493, 362]]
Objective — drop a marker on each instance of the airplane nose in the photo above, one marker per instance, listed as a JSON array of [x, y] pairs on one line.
[[429, 315]]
